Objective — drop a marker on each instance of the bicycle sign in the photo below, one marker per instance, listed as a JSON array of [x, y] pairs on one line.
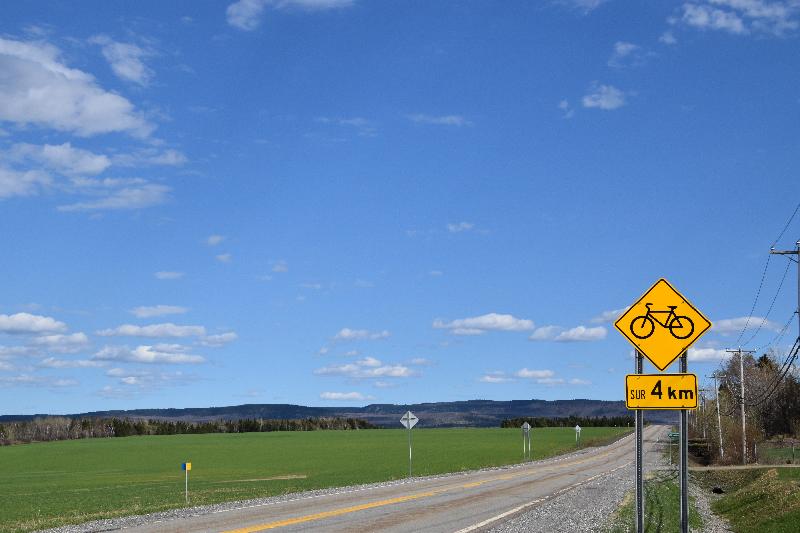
[[662, 324]]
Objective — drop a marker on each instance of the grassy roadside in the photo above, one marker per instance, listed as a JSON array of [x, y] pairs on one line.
[[55, 483], [661, 507], [764, 500]]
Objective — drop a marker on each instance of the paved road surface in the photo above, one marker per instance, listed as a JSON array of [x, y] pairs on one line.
[[461, 503]]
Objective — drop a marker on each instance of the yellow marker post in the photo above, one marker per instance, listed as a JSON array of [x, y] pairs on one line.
[[186, 467], [661, 391]]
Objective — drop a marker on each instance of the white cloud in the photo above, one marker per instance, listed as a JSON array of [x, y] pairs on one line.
[[58, 343], [26, 380], [667, 38], [459, 227], [545, 333], [421, 361], [52, 362], [160, 353], [550, 381], [609, 316], [627, 55], [347, 334], [495, 377], [130, 197], [158, 310], [214, 240], [526, 373], [579, 381], [22, 183], [154, 330], [366, 368], [699, 355], [61, 158], [166, 274], [217, 341], [150, 157], [246, 14], [125, 59], [706, 17], [26, 323], [224, 258], [37, 88], [585, 6], [742, 17], [727, 326], [604, 97], [280, 267], [481, 324], [440, 120], [564, 106], [582, 334], [344, 396]]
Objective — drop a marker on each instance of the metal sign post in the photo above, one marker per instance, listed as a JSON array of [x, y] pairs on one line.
[[639, 472], [409, 421], [684, 457], [662, 324], [577, 435]]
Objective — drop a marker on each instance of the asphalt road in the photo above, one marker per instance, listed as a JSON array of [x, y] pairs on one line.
[[462, 503]]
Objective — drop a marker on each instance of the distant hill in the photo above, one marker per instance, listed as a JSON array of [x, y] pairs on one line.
[[470, 413]]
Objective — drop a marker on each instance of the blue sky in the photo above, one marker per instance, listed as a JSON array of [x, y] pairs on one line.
[[333, 202]]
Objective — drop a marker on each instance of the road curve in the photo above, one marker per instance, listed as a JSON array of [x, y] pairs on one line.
[[461, 503]]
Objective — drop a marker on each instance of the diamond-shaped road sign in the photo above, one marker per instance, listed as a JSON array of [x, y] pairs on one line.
[[662, 324], [526, 427], [409, 420]]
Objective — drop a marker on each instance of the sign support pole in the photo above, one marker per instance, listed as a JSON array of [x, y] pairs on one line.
[[409, 450], [186, 491], [639, 476], [684, 458]]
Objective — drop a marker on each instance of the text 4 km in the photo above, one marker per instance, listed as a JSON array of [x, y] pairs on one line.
[[661, 391]]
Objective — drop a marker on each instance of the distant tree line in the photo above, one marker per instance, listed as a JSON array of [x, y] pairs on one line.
[[65, 428], [569, 421]]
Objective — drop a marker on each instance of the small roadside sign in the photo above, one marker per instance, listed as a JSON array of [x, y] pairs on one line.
[[577, 434], [662, 324], [186, 466], [661, 391], [526, 441], [409, 420]]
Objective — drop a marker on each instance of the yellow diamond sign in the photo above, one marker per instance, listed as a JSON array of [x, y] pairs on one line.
[[662, 324]]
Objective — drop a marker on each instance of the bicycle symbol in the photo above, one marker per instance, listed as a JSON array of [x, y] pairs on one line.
[[680, 326]]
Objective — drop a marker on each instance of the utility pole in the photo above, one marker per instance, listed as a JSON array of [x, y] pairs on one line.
[[741, 398], [719, 419]]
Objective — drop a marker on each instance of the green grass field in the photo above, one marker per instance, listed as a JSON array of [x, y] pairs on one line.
[[49, 484]]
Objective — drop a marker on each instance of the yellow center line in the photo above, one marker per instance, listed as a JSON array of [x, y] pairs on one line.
[[335, 512]]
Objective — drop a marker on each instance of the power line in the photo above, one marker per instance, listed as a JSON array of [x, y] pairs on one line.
[[764, 273], [771, 305]]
